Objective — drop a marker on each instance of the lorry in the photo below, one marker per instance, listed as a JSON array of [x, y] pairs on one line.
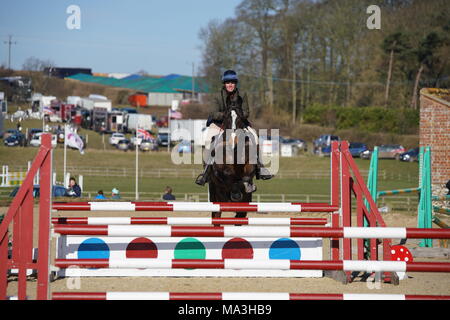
[[115, 121], [40, 103], [100, 119], [188, 129], [91, 103], [133, 121], [3, 104]]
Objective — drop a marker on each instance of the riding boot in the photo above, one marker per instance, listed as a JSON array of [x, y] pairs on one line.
[[262, 172], [204, 176]]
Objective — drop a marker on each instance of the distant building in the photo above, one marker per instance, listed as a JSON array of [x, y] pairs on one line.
[[66, 72], [159, 91]]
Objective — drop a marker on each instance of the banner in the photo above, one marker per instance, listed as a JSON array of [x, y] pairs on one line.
[[73, 140], [175, 114]]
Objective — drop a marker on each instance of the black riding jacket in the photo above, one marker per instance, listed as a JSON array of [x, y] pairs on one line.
[[223, 101]]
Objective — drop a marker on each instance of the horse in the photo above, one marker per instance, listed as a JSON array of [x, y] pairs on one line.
[[231, 180]]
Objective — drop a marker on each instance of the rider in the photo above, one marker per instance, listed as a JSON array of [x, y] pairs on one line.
[[228, 99]]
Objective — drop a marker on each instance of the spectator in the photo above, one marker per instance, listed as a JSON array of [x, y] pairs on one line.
[[115, 194], [100, 196], [74, 189], [168, 194]]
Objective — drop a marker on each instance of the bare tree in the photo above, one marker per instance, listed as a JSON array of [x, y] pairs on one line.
[[36, 64]]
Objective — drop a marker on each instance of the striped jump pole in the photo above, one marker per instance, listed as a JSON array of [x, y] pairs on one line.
[[397, 191], [195, 206], [441, 198], [250, 231], [188, 221], [441, 210], [237, 296], [249, 264]]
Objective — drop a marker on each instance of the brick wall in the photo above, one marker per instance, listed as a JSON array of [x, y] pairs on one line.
[[435, 131]]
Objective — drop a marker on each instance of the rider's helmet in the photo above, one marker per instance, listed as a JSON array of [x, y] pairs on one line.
[[229, 75]]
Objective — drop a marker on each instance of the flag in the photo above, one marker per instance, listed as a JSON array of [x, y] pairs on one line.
[[175, 114], [144, 135], [73, 140], [48, 110]]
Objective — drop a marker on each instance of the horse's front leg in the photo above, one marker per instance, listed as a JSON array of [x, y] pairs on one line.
[[216, 214], [240, 214]]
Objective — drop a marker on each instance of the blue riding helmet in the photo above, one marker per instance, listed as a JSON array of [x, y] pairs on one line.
[[229, 75]]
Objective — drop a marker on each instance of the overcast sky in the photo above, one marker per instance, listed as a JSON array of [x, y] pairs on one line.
[[159, 36]]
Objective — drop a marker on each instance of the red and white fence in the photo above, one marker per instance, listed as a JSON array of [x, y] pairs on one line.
[[195, 206], [258, 296], [188, 221], [250, 231]]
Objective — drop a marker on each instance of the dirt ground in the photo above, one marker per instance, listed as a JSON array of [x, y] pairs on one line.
[[416, 283]]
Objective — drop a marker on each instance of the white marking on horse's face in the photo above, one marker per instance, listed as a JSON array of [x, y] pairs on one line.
[[233, 119]]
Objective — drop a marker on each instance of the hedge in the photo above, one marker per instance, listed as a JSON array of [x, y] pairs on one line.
[[369, 119]]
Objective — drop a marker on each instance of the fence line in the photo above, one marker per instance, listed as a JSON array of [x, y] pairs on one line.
[[192, 173]]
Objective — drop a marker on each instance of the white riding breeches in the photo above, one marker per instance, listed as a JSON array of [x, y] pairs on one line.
[[214, 130]]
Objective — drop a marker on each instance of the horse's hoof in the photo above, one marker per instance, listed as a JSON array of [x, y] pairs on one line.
[[249, 187]]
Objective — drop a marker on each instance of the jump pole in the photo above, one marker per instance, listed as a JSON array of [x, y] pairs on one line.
[[249, 264], [188, 221], [194, 206], [236, 296], [250, 231]]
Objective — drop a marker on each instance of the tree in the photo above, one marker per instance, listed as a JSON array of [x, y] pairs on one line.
[[36, 64], [395, 43], [425, 55]]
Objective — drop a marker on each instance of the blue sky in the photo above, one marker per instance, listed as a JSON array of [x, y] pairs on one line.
[[159, 36]]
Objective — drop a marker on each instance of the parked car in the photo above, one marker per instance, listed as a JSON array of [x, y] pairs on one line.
[[60, 136], [323, 141], [300, 144], [163, 139], [15, 140], [385, 151], [410, 155], [390, 151], [115, 138], [32, 132], [184, 147], [325, 151], [148, 145], [123, 144], [36, 140], [357, 148], [57, 191], [10, 132]]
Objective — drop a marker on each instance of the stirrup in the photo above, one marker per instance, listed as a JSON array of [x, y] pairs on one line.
[[263, 174]]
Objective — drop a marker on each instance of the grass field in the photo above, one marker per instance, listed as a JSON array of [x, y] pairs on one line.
[[102, 156]]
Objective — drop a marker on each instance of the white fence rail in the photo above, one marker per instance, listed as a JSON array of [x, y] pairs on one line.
[[192, 173]]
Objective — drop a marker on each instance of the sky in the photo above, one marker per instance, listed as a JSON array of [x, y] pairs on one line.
[[158, 36]]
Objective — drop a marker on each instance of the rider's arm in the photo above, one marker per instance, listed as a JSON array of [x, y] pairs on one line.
[[245, 107], [216, 109]]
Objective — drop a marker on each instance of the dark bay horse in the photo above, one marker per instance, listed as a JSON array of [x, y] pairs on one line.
[[234, 166]]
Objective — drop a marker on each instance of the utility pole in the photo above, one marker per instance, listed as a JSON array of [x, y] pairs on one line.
[[9, 43], [294, 89], [193, 81]]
